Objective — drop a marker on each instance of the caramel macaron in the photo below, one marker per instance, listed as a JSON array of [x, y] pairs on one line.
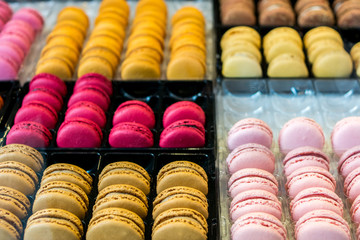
[[14, 201], [124, 173], [56, 224], [111, 223], [276, 13], [180, 197], [122, 196], [62, 195], [10, 226], [314, 13], [237, 12], [348, 14]]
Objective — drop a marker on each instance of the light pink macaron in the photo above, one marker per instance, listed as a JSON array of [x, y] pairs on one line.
[[305, 157], [249, 130], [252, 178], [352, 184], [251, 155], [349, 161], [300, 132], [315, 199], [355, 210], [255, 201], [345, 135], [308, 177]]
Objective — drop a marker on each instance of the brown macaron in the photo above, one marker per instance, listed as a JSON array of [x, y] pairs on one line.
[[348, 14], [68, 173], [237, 12], [180, 197], [125, 173], [62, 195], [122, 196], [276, 13], [14, 201], [10, 226], [182, 173], [315, 13]]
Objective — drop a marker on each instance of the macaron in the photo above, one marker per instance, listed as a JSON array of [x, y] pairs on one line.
[[180, 223], [315, 198], [322, 224], [122, 196], [254, 201], [124, 173], [305, 157], [46, 95], [54, 224], [180, 197], [68, 173], [31, 16], [45, 80], [300, 132], [252, 178], [276, 13], [14, 202], [182, 173], [183, 110], [62, 195], [11, 228], [134, 111], [237, 12], [344, 134], [249, 130], [257, 225], [251, 155], [56, 66], [10, 68], [183, 134], [12, 51], [91, 93], [347, 14], [115, 222], [348, 162], [23, 154], [286, 66], [131, 135], [351, 184], [79, 132], [87, 110], [334, 63], [320, 33], [5, 10], [311, 14], [94, 79]]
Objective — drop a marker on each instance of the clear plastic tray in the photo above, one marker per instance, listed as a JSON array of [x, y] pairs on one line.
[[276, 102]]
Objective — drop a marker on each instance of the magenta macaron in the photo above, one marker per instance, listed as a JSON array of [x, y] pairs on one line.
[[90, 93], [131, 135], [183, 134], [134, 111], [79, 133], [345, 135], [5, 10], [249, 130], [258, 225], [183, 110], [28, 133], [300, 132], [46, 80], [87, 110], [251, 155], [252, 178], [96, 80], [47, 95]]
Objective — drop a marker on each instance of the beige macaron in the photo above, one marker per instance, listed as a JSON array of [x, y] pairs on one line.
[[287, 65], [335, 63], [14, 201], [10, 226]]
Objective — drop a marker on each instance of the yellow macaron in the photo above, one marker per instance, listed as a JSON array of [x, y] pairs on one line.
[[287, 65]]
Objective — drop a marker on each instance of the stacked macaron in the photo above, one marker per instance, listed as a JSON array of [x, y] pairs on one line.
[[11, 227], [144, 53], [121, 204], [241, 55], [314, 13], [184, 126], [326, 53], [180, 209], [188, 45], [63, 45], [237, 12], [276, 13], [355, 55], [283, 51], [6, 13], [345, 135], [39, 111], [132, 122], [16, 38], [85, 117], [102, 52], [347, 13]]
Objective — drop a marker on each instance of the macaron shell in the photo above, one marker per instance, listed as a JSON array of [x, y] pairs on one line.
[[14, 201], [183, 110], [92, 94], [349, 161], [46, 95], [45, 80], [250, 67], [9, 69], [336, 63], [130, 135], [87, 110], [344, 135]]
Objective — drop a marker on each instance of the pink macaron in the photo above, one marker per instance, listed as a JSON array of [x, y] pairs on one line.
[[90, 93], [345, 135], [355, 210], [37, 111], [322, 225], [5, 10], [352, 184], [251, 155], [19, 39], [300, 132], [183, 134], [21, 27], [9, 68], [305, 157], [46, 80], [315, 199], [252, 178], [32, 134], [249, 130], [308, 177], [47, 95], [131, 135], [30, 16], [254, 201], [87, 110], [79, 133], [134, 111], [349, 161], [12, 51], [258, 225], [183, 110], [94, 79]]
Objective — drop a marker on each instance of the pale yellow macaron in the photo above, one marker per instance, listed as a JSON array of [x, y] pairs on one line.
[[320, 33], [281, 32], [242, 32], [287, 66], [241, 65], [335, 63], [283, 46], [322, 46], [241, 46]]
